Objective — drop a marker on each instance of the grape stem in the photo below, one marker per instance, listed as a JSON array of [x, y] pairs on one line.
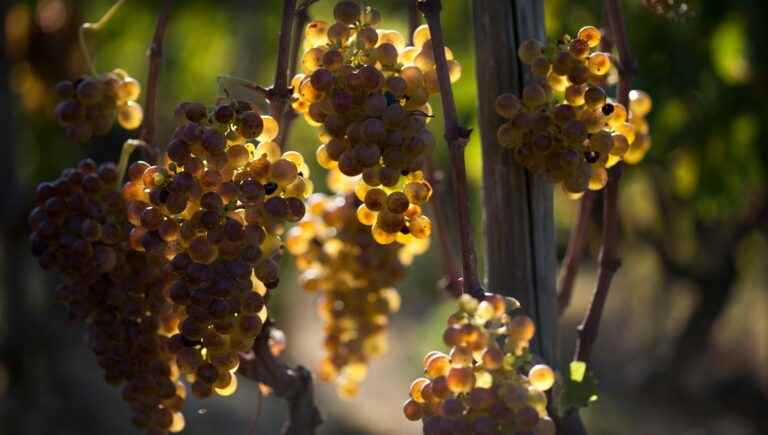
[[155, 59], [289, 115], [95, 27], [577, 245], [128, 147], [609, 257], [291, 384], [457, 137]]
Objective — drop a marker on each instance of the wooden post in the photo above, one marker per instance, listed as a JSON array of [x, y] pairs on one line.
[[519, 225]]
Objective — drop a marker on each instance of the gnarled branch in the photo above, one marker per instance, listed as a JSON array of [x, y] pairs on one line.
[[292, 384]]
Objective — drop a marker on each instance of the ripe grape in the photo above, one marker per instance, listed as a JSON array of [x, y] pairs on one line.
[[486, 383], [564, 126], [171, 273], [372, 111], [90, 105], [80, 230], [338, 257]]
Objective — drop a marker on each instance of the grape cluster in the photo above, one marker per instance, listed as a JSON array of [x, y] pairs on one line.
[[564, 126], [339, 258], [487, 383], [368, 95], [214, 212], [171, 271], [79, 230], [90, 104]]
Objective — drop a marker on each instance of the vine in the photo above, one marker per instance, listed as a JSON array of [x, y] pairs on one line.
[[172, 269]]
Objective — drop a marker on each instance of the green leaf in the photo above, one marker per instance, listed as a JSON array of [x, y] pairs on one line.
[[577, 370], [580, 386]]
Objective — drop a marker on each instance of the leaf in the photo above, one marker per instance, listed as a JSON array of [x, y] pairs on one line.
[[577, 370], [580, 387]]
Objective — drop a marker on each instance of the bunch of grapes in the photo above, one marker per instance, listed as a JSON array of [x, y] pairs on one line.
[[79, 230], [486, 384], [90, 104], [339, 258], [214, 212], [171, 273], [368, 95], [564, 126]]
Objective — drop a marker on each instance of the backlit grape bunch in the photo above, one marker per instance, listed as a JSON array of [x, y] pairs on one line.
[[564, 126], [90, 105], [487, 383], [215, 211], [79, 230], [339, 258], [368, 95]]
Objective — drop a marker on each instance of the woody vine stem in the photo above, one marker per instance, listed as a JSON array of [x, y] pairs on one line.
[[456, 137]]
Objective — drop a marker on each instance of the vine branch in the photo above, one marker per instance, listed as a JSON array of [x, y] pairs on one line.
[[413, 18], [301, 20], [280, 93], [609, 258], [292, 384], [155, 56], [609, 263], [577, 245], [450, 282], [457, 137]]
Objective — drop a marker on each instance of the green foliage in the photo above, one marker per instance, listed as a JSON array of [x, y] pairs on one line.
[[580, 386]]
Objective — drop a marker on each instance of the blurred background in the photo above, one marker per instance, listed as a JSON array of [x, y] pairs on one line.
[[684, 343]]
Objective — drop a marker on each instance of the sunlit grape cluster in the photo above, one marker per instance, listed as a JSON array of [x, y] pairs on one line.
[[564, 126], [487, 383], [79, 230], [367, 93], [171, 272], [215, 211], [339, 258], [90, 105]]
